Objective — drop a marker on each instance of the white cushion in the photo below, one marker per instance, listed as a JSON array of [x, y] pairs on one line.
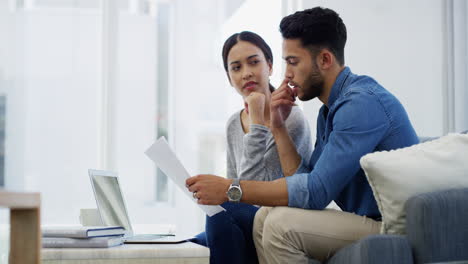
[[400, 174]]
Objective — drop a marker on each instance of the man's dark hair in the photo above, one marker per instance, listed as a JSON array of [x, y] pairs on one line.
[[254, 39], [317, 28]]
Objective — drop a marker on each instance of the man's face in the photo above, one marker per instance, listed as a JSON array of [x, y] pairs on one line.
[[302, 70]]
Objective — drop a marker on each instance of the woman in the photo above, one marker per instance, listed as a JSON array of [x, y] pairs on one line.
[[251, 149]]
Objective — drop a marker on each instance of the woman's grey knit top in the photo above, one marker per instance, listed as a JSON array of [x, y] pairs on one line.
[[253, 156]]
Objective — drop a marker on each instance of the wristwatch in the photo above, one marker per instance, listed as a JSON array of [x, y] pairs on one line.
[[234, 192]]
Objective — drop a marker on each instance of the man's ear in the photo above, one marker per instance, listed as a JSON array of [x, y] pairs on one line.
[[325, 59]]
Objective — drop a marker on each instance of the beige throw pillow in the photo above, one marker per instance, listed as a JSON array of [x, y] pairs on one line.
[[400, 174]]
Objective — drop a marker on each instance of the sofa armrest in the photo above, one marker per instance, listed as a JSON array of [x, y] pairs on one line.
[[382, 249], [437, 225]]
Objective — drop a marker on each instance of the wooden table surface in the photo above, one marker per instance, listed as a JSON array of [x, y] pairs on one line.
[[25, 232]]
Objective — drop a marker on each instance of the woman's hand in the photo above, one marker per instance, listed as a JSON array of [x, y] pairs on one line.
[[282, 101], [256, 108], [208, 189]]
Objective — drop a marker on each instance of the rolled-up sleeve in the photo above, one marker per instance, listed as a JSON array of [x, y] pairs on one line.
[[297, 185]]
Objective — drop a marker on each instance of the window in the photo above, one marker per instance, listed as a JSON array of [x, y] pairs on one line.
[[2, 139], [50, 74], [162, 102]]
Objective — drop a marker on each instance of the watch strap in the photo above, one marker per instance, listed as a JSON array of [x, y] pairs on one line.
[[235, 182]]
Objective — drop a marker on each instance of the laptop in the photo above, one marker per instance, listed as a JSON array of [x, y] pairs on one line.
[[113, 212]]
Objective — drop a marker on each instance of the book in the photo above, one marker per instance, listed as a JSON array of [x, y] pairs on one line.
[[94, 242], [82, 231]]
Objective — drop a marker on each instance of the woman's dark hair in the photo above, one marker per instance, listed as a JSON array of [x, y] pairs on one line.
[[317, 28], [249, 37]]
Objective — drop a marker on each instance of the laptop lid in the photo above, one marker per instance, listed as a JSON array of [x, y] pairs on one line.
[[109, 199]]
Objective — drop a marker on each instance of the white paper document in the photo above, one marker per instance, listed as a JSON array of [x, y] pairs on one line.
[[167, 161]]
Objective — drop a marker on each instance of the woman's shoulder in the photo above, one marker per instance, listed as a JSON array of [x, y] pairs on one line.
[[296, 114], [234, 120], [296, 120]]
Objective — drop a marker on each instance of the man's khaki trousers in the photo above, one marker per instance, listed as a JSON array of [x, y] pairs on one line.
[[292, 235]]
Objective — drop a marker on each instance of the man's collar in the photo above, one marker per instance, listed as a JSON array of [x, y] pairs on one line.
[[338, 86]]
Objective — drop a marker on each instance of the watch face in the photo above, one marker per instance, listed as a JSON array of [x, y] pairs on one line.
[[234, 193]]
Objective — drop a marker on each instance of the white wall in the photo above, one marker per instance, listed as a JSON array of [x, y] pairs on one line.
[[400, 44]]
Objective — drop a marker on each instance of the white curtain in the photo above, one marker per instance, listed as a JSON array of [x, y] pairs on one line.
[[456, 90]]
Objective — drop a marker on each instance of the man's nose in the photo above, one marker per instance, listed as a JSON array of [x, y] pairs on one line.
[[288, 74]]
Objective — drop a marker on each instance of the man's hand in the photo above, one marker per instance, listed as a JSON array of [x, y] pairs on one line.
[[256, 108], [282, 101], [210, 189]]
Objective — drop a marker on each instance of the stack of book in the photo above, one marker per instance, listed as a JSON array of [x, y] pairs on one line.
[[82, 236]]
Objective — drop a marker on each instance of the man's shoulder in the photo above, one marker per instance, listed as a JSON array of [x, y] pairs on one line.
[[362, 93], [362, 89], [362, 84]]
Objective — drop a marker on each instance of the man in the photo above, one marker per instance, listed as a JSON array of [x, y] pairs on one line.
[[358, 116]]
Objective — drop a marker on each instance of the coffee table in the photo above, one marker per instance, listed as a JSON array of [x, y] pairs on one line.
[[186, 253]]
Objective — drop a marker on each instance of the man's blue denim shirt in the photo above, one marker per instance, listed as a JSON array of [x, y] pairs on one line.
[[361, 117]]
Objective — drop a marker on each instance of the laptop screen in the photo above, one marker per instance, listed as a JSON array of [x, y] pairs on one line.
[[110, 200]]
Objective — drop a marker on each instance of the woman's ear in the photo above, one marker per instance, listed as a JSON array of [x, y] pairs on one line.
[[270, 71]]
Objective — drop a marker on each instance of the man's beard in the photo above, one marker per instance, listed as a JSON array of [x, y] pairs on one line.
[[313, 85]]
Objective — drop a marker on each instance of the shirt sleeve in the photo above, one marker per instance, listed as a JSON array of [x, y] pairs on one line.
[[261, 160], [231, 164], [253, 161], [231, 170], [359, 124], [299, 130]]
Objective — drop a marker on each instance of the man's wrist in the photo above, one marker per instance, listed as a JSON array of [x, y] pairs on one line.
[[234, 192], [228, 183]]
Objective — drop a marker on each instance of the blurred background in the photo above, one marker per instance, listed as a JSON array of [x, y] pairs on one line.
[[93, 83]]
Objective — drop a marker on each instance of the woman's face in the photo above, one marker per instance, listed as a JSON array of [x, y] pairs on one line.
[[248, 69]]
